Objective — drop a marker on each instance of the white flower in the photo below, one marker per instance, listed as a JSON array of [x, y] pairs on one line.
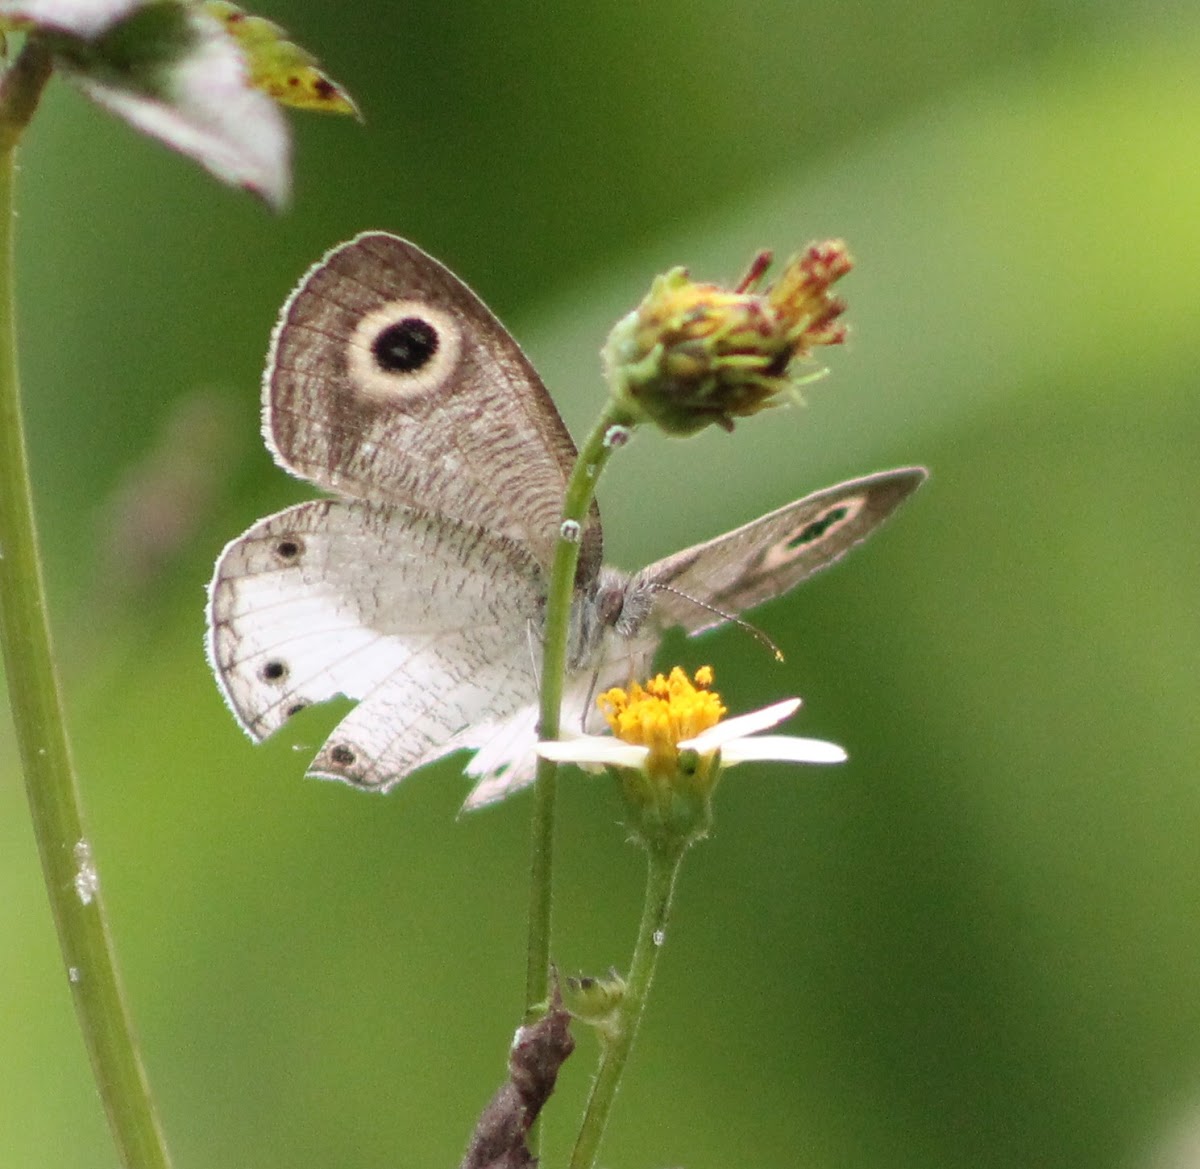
[[669, 748], [643, 722]]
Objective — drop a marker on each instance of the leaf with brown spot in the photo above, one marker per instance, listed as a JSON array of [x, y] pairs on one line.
[[279, 67]]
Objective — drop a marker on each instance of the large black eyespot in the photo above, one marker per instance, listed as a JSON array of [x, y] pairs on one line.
[[818, 527], [405, 346]]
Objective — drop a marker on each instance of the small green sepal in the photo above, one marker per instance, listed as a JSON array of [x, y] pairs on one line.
[[669, 811]]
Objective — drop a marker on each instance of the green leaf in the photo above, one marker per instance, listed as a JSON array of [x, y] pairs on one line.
[[279, 67]]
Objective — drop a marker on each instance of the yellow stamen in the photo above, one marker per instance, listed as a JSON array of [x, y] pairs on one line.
[[663, 713]]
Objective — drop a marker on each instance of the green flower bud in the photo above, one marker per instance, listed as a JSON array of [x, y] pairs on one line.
[[694, 354], [595, 1001]]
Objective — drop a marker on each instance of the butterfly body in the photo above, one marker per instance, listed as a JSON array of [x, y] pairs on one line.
[[419, 589]]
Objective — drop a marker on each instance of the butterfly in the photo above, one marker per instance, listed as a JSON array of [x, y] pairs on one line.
[[418, 587]]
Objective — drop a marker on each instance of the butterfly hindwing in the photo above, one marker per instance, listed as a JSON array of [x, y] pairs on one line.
[[424, 621]]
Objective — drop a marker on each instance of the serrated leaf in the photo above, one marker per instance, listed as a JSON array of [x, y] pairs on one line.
[[280, 67]]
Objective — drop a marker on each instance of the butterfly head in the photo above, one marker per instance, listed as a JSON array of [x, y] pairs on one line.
[[615, 605]]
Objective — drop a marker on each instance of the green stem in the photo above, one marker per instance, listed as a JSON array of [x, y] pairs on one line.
[[580, 489], [661, 872], [38, 715]]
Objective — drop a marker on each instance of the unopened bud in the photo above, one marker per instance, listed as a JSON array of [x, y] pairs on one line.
[[695, 354]]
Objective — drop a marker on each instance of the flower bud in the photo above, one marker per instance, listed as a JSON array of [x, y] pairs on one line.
[[595, 1001], [693, 354]]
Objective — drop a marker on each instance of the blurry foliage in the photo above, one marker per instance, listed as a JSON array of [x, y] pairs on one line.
[[976, 944]]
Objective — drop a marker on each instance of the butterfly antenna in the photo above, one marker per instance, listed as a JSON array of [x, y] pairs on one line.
[[753, 630], [534, 664], [587, 702]]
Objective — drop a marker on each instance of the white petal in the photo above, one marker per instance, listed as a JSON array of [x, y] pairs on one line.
[[781, 749], [205, 107], [744, 724], [492, 790], [81, 18], [595, 749]]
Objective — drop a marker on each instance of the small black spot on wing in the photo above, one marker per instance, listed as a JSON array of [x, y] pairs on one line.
[[817, 528], [346, 763], [289, 549], [274, 671]]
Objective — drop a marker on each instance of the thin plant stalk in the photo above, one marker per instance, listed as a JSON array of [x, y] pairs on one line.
[[37, 711], [619, 1034], [581, 488]]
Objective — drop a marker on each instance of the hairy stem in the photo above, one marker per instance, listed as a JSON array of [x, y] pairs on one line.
[[661, 872], [581, 488], [37, 712]]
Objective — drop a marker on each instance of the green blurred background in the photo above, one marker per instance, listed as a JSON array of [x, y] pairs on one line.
[[978, 943]]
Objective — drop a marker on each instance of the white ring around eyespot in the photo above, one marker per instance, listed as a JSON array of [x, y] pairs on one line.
[[380, 383]]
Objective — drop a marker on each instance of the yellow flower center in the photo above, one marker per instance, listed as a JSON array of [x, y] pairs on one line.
[[663, 713]]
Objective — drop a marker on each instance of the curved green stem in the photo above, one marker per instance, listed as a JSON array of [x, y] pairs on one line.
[[619, 1035], [581, 487], [38, 715]]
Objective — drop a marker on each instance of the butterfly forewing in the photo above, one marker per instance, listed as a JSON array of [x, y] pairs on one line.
[[390, 380], [766, 557]]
